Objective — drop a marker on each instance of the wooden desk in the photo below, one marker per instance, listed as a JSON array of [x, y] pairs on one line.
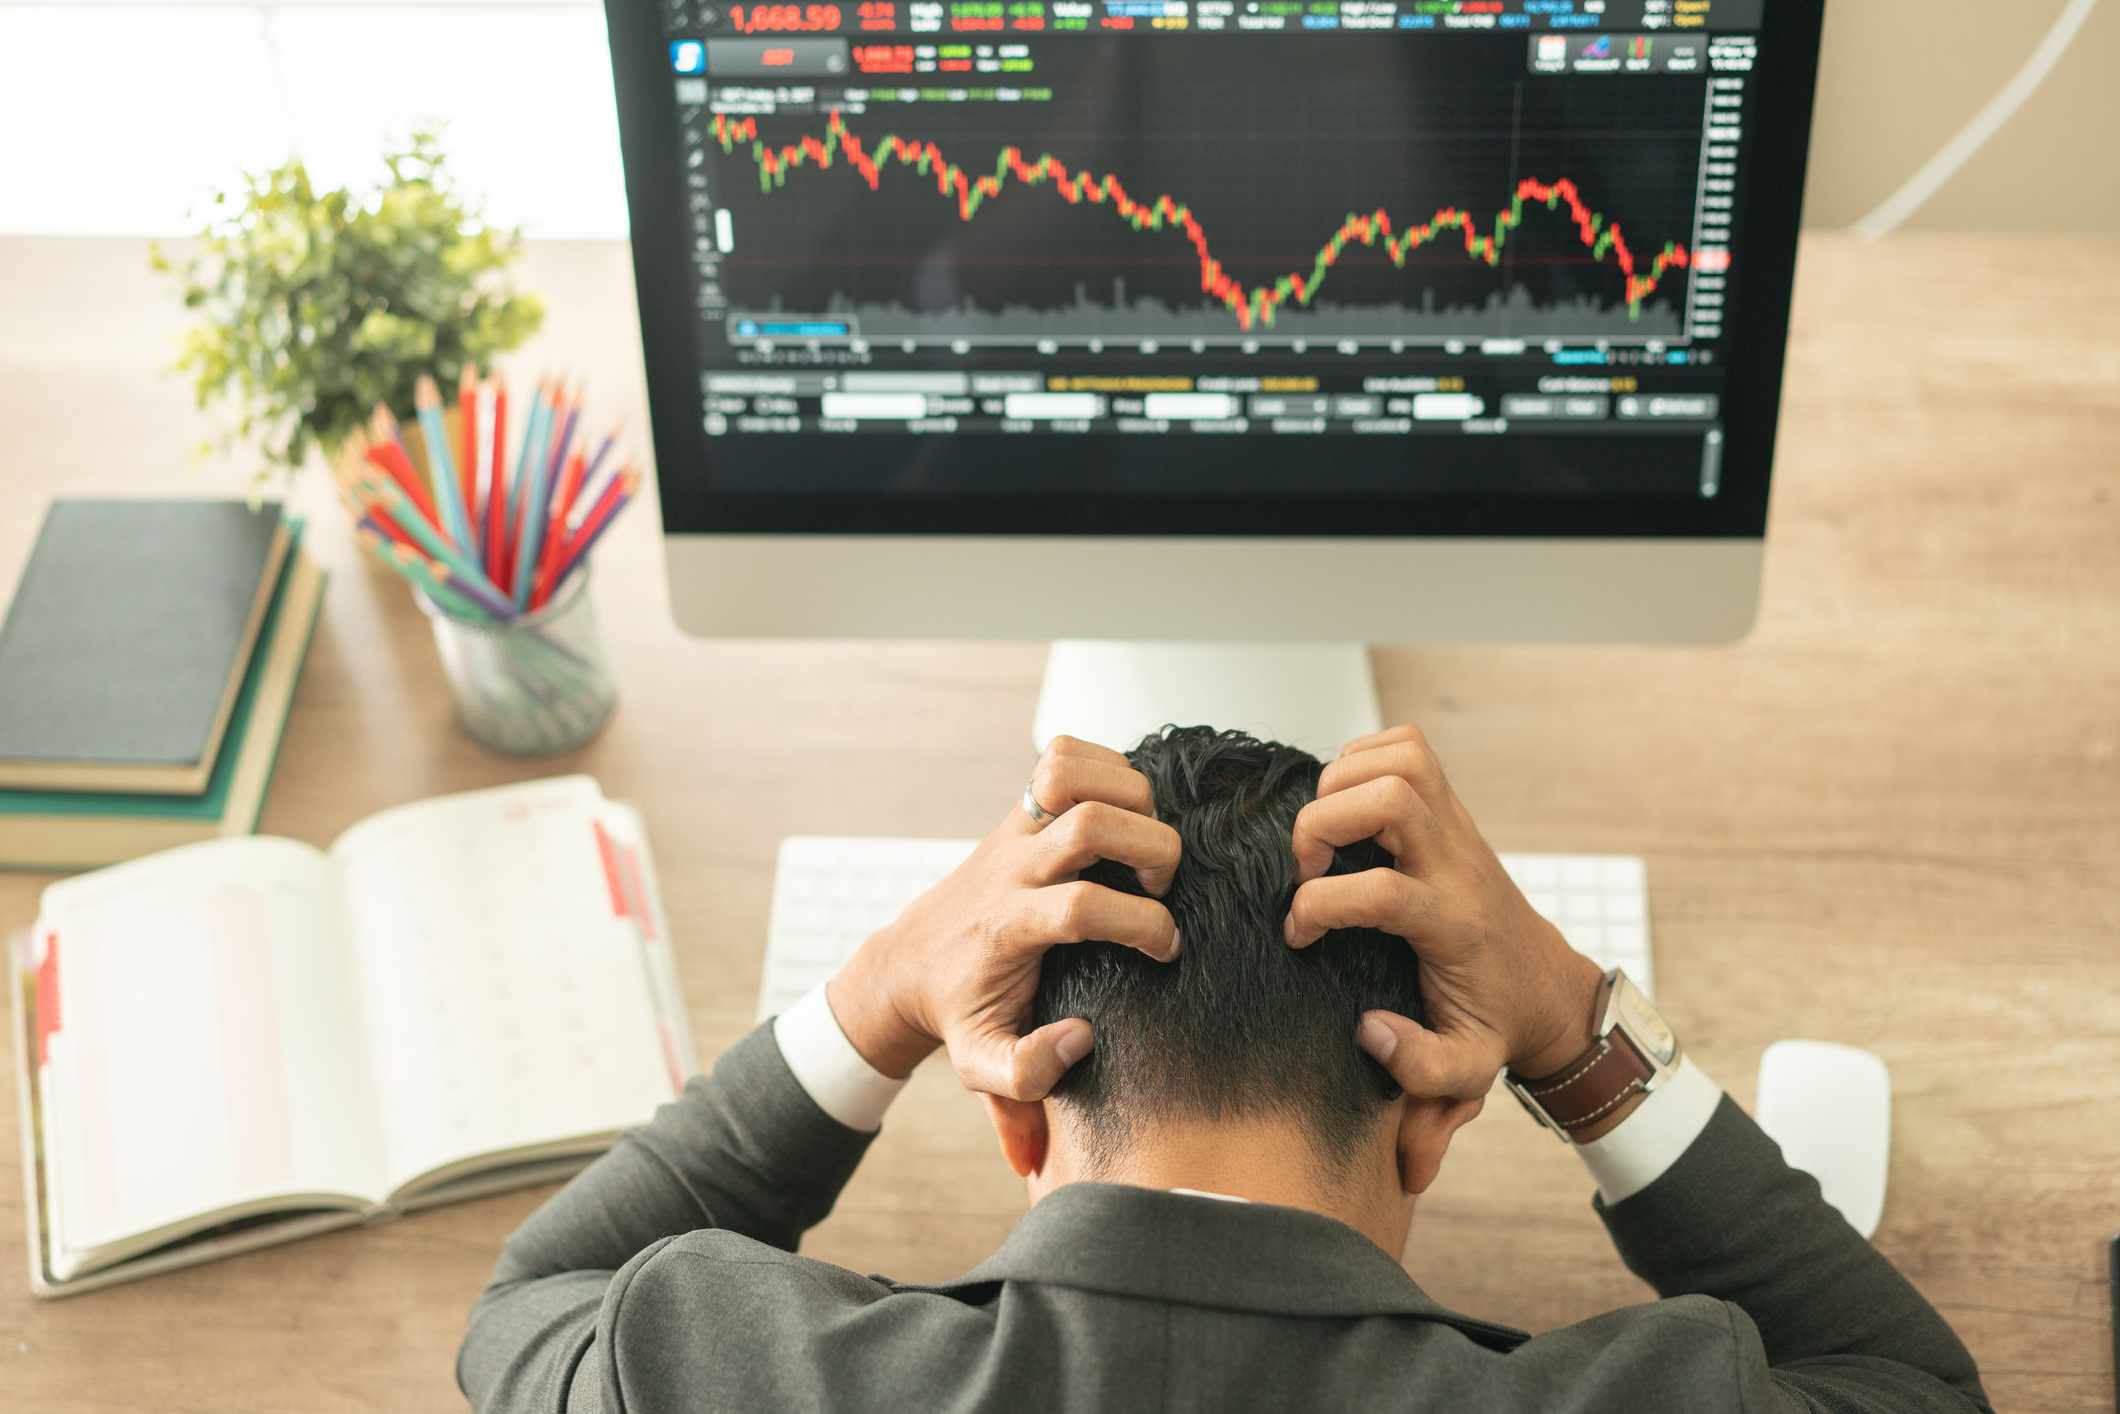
[[1889, 817]]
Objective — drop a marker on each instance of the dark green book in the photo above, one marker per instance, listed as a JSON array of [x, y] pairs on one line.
[[127, 641], [79, 829]]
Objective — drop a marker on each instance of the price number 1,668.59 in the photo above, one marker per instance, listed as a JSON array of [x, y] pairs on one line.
[[783, 19]]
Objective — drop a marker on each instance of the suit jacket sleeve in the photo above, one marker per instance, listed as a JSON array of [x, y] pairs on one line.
[[744, 1149], [1824, 1322]]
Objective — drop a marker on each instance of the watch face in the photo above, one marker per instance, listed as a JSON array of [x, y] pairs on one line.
[[1643, 1022]]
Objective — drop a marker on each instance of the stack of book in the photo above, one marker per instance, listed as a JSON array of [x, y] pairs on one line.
[[147, 664]]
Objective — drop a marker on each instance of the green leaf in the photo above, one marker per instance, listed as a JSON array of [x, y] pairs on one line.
[[316, 305]]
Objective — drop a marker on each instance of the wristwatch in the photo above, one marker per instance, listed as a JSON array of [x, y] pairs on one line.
[[1635, 1052]]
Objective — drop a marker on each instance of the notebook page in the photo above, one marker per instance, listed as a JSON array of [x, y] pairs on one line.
[[205, 1055], [506, 999]]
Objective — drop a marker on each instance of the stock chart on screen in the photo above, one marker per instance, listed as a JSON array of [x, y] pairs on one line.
[[1464, 219]]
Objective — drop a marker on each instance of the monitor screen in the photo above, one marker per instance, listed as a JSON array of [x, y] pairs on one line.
[[1235, 266]]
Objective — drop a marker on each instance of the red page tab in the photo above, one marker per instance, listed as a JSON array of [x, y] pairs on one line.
[[637, 891], [47, 998], [609, 856]]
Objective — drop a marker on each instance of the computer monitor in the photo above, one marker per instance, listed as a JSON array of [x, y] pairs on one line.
[[1389, 320]]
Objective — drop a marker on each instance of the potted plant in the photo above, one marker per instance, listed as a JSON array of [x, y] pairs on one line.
[[318, 305]]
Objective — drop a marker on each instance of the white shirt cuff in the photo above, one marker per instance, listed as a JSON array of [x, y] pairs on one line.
[[1650, 1140], [844, 1085]]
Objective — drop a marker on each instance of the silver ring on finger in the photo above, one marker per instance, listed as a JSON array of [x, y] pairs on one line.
[[1040, 816]]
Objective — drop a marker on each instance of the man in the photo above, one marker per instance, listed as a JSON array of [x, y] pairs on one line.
[[1309, 980]]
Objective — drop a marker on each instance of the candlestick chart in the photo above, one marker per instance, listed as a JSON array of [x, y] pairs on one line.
[[1011, 222]]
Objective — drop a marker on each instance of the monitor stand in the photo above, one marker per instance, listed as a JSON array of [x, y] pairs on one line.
[[1313, 695]]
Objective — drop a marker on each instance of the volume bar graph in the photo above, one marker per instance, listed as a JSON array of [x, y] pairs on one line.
[[1287, 302]]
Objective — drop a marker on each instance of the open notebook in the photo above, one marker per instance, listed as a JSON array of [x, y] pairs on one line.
[[251, 1040]]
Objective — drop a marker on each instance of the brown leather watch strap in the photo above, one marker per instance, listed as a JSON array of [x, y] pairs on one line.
[[1594, 1085]]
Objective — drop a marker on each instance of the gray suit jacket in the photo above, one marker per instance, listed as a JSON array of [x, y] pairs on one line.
[[664, 1278]]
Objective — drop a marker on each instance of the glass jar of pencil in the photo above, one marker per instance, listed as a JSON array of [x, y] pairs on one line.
[[531, 685], [497, 557]]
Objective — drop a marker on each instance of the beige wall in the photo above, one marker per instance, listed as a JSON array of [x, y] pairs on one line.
[[1899, 77]]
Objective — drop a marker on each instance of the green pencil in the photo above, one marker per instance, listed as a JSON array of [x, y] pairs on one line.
[[400, 508]]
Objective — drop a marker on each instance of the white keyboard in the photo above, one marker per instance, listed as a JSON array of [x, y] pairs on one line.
[[830, 892]]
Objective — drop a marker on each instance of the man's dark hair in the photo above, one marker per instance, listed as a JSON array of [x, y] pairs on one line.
[[1241, 1024]]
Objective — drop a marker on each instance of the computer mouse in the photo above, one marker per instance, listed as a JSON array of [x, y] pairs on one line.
[[1830, 1108]]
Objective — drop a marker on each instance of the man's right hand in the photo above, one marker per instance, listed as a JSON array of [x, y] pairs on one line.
[[1500, 984], [959, 967]]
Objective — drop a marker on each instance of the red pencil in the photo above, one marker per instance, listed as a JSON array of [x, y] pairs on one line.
[[357, 505], [596, 463], [497, 482], [467, 445], [390, 528], [616, 494], [387, 450], [570, 482], [373, 514]]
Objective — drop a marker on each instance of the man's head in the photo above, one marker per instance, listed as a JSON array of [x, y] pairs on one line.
[[1242, 1032]]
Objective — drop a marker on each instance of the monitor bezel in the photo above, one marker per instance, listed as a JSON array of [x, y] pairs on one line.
[[649, 139]]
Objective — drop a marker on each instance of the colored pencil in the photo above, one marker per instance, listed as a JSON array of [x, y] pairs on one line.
[[386, 449], [413, 567], [556, 525], [382, 524], [390, 439], [557, 465], [533, 447], [453, 591], [479, 537], [537, 505], [496, 484], [343, 474], [441, 466], [578, 494], [593, 526], [423, 533], [399, 555], [373, 539], [596, 464], [376, 522], [600, 519], [386, 500], [554, 390], [482, 478], [347, 475], [467, 436], [488, 599], [557, 459]]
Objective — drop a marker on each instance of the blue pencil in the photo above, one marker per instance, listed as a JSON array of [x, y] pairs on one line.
[[522, 454], [518, 483], [522, 457], [536, 506], [427, 398], [546, 425], [426, 573]]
